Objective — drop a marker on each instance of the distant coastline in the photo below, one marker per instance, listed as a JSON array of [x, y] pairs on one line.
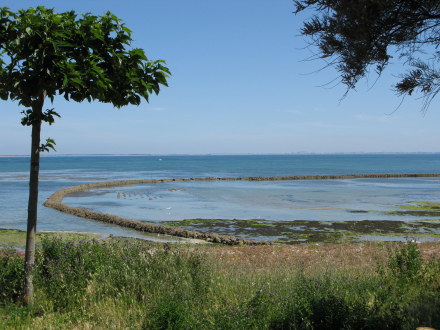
[[232, 154]]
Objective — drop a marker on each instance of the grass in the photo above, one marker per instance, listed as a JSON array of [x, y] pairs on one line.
[[14, 238], [132, 284]]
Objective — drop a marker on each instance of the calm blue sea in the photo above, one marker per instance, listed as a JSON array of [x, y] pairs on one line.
[[300, 200]]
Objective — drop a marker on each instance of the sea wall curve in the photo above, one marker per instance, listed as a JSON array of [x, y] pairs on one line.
[[55, 201]]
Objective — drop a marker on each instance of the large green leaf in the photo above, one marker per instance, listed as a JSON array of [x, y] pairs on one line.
[[82, 58]]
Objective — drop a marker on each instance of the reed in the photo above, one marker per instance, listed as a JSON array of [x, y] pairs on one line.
[[133, 284]]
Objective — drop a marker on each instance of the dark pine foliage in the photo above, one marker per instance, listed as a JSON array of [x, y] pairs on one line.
[[358, 35]]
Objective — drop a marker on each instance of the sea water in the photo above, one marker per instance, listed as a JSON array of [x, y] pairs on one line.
[[323, 200]]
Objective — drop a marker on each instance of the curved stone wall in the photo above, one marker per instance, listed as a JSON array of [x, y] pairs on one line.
[[55, 202]]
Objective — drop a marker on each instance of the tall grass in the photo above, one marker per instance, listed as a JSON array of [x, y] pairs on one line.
[[132, 285]]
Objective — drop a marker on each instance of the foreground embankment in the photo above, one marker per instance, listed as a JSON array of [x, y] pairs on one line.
[[55, 202]]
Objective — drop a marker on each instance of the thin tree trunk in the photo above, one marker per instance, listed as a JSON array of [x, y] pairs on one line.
[[37, 109]]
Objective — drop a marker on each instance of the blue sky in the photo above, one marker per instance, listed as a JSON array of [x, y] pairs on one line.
[[240, 85]]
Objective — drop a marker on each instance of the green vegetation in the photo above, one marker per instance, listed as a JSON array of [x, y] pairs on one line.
[[358, 37], [133, 284], [44, 54], [420, 209], [13, 238], [304, 231], [425, 206]]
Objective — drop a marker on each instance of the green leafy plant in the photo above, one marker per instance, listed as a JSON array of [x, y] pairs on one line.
[[44, 54], [123, 284], [406, 264], [65, 268], [11, 277]]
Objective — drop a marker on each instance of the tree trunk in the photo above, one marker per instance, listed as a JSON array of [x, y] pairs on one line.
[[37, 109]]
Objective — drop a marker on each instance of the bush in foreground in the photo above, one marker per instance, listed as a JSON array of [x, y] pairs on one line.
[[126, 284]]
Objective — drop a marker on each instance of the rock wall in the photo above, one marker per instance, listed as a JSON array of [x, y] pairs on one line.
[[55, 202]]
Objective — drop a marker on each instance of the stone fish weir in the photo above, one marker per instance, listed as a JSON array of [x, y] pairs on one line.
[[55, 202]]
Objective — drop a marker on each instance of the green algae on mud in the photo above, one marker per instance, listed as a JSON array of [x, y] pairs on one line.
[[306, 231], [421, 209], [14, 238], [426, 206], [55, 202]]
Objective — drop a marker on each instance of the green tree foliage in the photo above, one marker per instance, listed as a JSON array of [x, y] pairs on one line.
[[81, 58], [356, 36], [44, 54]]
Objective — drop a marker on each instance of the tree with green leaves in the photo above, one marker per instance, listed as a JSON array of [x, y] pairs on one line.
[[358, 35], [44, 54]]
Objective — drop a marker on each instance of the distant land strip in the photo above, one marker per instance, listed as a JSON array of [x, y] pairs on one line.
[[55, 202]]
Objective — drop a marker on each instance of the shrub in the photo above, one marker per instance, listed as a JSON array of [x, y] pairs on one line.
[[64, 269], [406, 264], [168, 287], [11, 277]]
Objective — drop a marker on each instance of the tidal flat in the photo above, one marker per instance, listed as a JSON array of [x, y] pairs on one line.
[[262, 210], [305, 231]]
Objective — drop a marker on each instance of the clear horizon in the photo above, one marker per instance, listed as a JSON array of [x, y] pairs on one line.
[[240, 85], [230, 154]]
